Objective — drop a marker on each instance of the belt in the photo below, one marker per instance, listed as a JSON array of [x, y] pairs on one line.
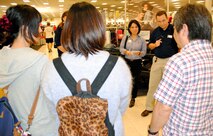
[[156, 58]]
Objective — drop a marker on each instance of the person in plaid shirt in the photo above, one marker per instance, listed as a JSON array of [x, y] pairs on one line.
[[185, 94]]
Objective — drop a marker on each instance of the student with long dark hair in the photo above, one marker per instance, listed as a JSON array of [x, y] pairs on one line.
[[58, 31], [84, 59], [21, 66]]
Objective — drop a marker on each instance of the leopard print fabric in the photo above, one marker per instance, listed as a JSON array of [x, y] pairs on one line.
[[82, 116]]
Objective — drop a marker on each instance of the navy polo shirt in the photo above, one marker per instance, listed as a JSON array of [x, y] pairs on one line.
[[168, 47]]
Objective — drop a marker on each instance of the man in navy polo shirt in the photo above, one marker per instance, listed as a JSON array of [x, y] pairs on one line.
[[164, 46]]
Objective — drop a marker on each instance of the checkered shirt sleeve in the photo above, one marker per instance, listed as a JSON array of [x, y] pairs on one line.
[[187, 87]]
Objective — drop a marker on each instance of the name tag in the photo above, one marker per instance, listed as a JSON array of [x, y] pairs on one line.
[[169, 36], [129, 41]]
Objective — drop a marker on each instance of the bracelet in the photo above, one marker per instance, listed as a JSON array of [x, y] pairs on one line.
[[152, 133]]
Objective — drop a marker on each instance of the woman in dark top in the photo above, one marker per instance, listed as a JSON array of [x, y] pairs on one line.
[[58, 35]]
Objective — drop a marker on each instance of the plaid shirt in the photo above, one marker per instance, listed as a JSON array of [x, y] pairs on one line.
[[187, 87]]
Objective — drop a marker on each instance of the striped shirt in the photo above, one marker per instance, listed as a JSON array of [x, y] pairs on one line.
[[187, 87]]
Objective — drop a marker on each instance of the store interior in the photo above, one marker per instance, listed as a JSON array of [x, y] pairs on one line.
[[116, 14]]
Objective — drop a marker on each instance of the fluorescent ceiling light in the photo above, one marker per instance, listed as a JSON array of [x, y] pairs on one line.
[[104, 3], [26, 0], [3, 6], [93, 1], [13, 3]]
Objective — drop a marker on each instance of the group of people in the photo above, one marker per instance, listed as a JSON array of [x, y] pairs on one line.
[[180, 82]]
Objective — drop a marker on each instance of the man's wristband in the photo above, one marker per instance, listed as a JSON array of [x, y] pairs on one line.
[[152, 133]]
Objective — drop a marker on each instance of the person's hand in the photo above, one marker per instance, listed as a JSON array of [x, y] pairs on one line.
[[128, 53], [137, 53], [158, 42]]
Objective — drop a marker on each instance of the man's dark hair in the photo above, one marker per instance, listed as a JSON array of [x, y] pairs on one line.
[[160, 13], [198, 20]]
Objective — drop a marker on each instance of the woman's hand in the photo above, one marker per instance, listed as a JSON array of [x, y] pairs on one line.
[[128, 53], [137, 53]]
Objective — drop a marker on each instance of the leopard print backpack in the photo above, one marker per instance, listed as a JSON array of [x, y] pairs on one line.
[[84, 113]]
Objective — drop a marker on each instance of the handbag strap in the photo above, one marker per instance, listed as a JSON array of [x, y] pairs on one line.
[[32, 111], [33, 108], [126, 41]]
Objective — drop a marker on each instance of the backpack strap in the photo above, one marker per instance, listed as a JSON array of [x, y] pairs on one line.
[[103, 74], [65, 75], [97, 83]]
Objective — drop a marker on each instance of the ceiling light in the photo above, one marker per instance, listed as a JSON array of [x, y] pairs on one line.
[[113, 6], [200, 1], [104, 3], [3, 6], [13, 3], [60, 0], [26, 0], [61, 5], [154, 5], [45, 3], [94, 1], [176, 3]]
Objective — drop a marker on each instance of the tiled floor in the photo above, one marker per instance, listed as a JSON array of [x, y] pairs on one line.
[[134, 124]]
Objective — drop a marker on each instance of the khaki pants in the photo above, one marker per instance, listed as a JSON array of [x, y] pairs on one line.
[[156, 74]]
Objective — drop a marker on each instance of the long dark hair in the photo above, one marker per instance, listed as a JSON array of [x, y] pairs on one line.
[[23, 18], [62, 20], [84, 30]]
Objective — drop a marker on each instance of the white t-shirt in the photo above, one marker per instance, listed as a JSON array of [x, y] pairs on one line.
[[49, 32]]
